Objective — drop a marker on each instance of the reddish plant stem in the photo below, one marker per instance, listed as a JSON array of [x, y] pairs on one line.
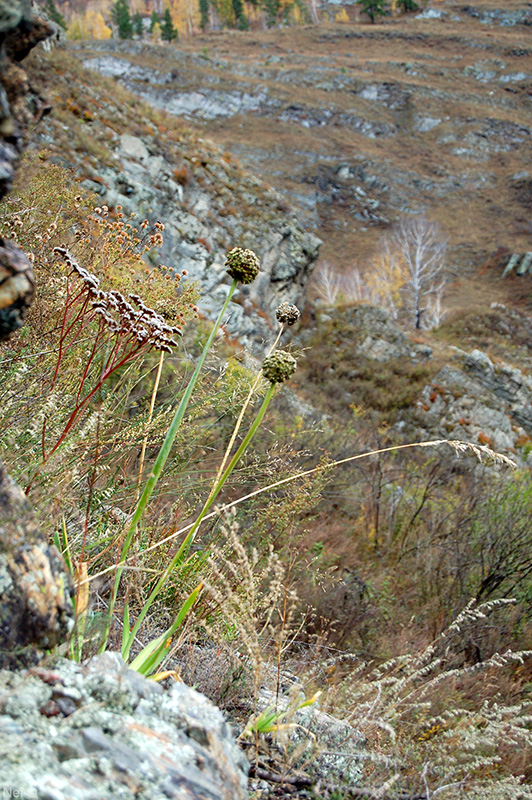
[[129, 355], [89, 362]]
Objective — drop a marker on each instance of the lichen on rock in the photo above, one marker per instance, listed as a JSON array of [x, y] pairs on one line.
[[76, 732]]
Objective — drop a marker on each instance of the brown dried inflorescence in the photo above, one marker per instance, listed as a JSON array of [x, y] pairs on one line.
[[243, 265], [287, 313], [119, 316]]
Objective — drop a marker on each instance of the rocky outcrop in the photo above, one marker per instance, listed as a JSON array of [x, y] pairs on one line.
[[72, 732], [500, 16], [36, 610], [375, 335], [20, 106], [205, 200], [476, 400], [16, 287], [196, 241]]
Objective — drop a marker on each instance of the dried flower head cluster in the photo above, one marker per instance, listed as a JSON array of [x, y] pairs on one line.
[[279, 366], [119, 316], [243, 265], [287, 312]]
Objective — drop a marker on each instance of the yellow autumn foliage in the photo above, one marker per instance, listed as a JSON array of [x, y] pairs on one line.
[[90, 25], [96, 25]]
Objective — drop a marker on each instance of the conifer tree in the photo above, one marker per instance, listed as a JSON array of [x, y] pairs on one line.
[[241, 19], [154, 20], [373, 8], [204, 13], [168, 31], [138, 25], [54, 14], [122, 19], [272, 8]]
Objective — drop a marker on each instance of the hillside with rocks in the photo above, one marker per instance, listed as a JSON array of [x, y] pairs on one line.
[[348, 129], [359, 125], [127, 156], [357, 602]]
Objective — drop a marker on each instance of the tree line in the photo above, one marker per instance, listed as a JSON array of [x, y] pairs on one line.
[[187, 16]]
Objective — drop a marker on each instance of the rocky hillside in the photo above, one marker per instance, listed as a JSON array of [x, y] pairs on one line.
[[360, 124], [353, 126], [131, 156]]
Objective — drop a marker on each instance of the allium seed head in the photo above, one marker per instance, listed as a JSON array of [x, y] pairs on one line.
[[243, 265], [279, 366], [287, 312]]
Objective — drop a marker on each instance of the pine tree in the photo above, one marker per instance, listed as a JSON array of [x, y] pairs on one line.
[[154, 20], [122, 19], [168, 31], [204, 13], [241, 19], [272, 8], [54, 14], [373, 8], [408, 5], [138, 25]]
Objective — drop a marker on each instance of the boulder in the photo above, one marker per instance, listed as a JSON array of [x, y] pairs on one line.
[[19, 108], [36, 610], [99, 731]]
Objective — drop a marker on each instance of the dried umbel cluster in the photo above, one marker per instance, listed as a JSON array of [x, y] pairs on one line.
[[279, 366], [121, 317], [287, 313], [242, 265]]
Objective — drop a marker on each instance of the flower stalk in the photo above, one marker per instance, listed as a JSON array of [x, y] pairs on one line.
[[158, 467]]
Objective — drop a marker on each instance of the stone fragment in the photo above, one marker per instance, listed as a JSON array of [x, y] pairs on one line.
[[16, 287], [36, 611]]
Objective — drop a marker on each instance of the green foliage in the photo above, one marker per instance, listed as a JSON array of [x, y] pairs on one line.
[[272, 8], [241, 19], [168, 30], [121, 17], [138, 26], [373, 8], [154, 20], [204, 14], [408, 5], [500, 543], [54, 14], [274, 719]]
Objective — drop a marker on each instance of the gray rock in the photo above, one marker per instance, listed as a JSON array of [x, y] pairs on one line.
[[133, 148], [126, 737], [425, 124], [475, 400], [432, 13], [500, 16], [36, 611]]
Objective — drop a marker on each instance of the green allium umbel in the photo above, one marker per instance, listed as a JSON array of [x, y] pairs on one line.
[[243, 265], [287, 312], [278, 366]]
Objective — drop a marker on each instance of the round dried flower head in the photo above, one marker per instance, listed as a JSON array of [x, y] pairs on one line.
[[243, 265], [287, 312], [279, 366]]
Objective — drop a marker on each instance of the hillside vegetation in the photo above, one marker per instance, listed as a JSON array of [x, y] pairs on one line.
[[399, 584]]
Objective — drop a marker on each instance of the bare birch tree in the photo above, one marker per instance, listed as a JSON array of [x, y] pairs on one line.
[[421, 247], [328, 284]]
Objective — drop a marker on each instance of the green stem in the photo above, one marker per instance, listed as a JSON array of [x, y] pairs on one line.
[[190, 536], [164, 452]]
